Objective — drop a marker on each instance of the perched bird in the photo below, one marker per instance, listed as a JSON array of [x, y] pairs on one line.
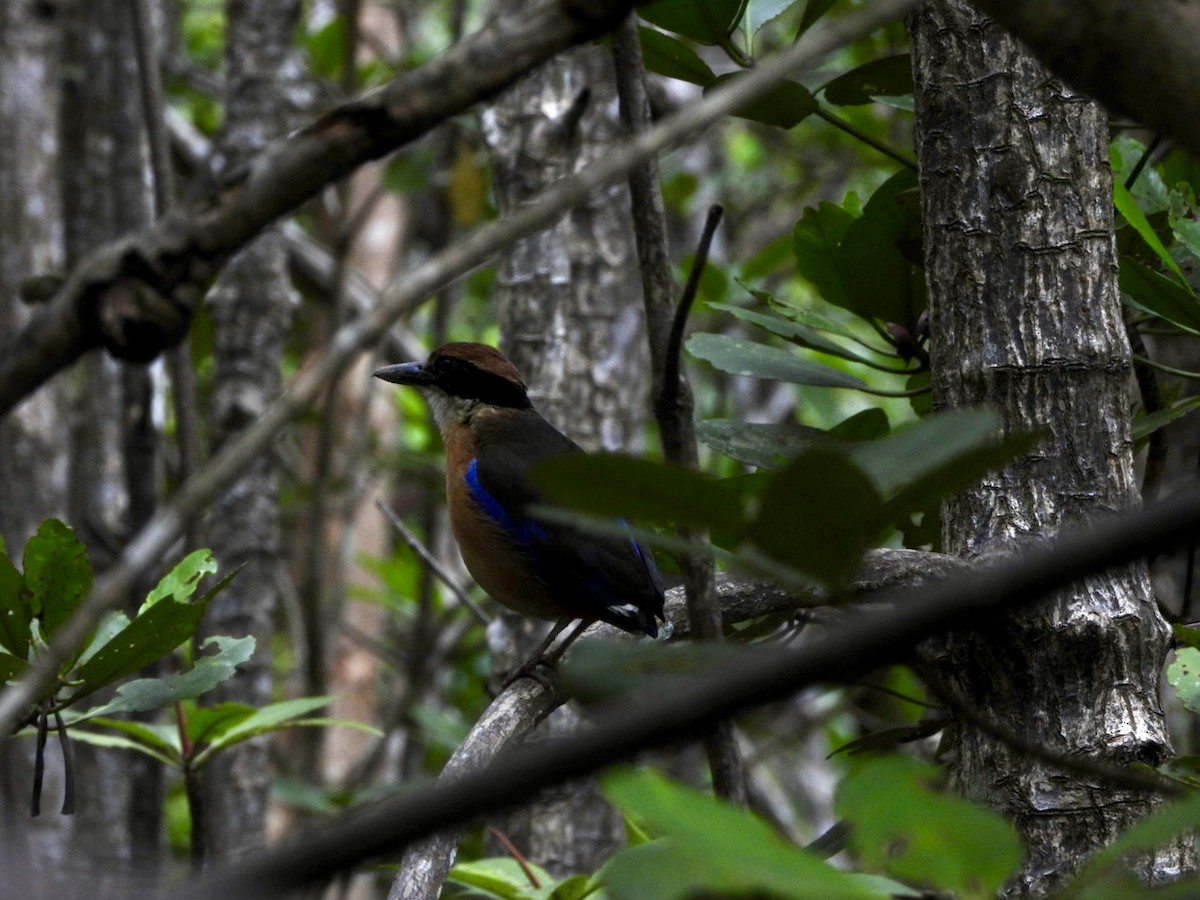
[[493, 436]]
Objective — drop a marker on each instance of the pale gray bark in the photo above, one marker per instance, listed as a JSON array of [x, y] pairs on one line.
[[252, 306], [1025, 319]]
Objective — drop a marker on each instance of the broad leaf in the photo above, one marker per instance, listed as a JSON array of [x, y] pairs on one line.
[[705, 21], [624, 486], [741, 357], [785, 105], [760, 12], [206, 674], [268, 718], [713, 848], [121, 742], [813, 11], [1146, 425], [14, 612], [890, 76], [1133, 214], [674, 59], [57, 574], [908, 829], [110, 626], [818, 515], [11, 667], [181, 582], [867, 425], [815, 241], [1184, 675], [765, 445], [879, 279], [1159, 295], [795, 332], [503, 877]]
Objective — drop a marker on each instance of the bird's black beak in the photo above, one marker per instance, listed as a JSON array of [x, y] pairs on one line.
[[412, 373]]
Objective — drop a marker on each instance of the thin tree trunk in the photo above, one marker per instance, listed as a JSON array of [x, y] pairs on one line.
[[252, 307], [1026, 319]]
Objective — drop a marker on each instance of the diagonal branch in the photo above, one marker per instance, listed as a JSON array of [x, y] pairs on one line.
[[136, 296]]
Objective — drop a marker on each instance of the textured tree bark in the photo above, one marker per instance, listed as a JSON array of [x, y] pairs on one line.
[[33, 447], [252, 306], [571, 322], [1025, 316]]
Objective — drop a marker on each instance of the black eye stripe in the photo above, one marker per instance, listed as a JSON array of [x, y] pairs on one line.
[[464, 379]]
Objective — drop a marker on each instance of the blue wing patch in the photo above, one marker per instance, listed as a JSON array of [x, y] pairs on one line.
[[525, 531]]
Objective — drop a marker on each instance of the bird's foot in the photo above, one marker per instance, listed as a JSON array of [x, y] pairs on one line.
[[539, 668]]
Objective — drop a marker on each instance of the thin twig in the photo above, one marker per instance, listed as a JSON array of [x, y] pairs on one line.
[[858, 134], [432, 562]]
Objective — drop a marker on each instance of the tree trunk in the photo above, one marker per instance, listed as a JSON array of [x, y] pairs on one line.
[[252, 306], [1026, 319]]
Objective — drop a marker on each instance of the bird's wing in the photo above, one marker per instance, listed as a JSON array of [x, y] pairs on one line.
[[606, 577]]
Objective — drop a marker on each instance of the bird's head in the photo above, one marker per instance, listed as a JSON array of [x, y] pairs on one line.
[[459, 378]]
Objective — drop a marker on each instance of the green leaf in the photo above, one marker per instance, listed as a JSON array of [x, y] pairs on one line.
[[741, 357], [712, 848], [813, 12], [153, 634], [705, 21], [204, 724], [663, 54], [905, 827], [765, 445], [878, 277], [867, 425], [890, 76], [1186, 636], [795, 332], [760, 12], [272, 717], [818, 515], [11, 667], [502, 877], [162, 739], [181, 582], [785, 105], [1184, 675], [14, 612], [110, 626], [1146, 425], [206, 674], [815, 241], [327, 48], [610, 484], [57, 574], [410, 170], [1133, 214], [1159, 295], [120, 742]]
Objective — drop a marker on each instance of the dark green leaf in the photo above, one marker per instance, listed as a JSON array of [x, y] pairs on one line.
[[1186, 636], [712, 848], [815, 242], [157, 693], [1159, 295], [818, 515], [327, 49], [1146, 425], [877, 274], [624, 486], [813, 12], [904, 826], [410, 170], [57, 574], [769, 259], [205, 724], [121, 742], [1133, 214], [890, 76], [152, 635], [891, 738], [162, 739], [740, 357], [705, 21], [674, 59], [794, 331], [11, 667], [868, 425], [14, 612], [765, 445], [110, 626], [785, 105], [500, 877], [273, 717]]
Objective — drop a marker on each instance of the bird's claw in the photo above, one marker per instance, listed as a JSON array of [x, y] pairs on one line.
[[540, 669]]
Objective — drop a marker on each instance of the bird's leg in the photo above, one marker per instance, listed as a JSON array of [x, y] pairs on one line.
[[541, 659]]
